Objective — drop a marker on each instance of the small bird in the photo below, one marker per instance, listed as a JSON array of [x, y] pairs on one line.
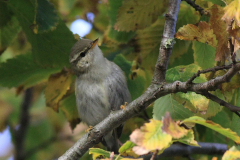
[[100, 87]]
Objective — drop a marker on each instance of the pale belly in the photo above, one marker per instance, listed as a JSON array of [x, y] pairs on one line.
[[92, 102]]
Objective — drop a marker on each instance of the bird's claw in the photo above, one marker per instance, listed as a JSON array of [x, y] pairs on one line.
[[89, 129], [124, 106]]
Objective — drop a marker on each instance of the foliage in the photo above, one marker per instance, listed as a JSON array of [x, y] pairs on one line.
[[35, 42]]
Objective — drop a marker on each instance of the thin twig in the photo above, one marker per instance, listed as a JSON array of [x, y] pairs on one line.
[[154, 155], [195, 6], [20, 133], [214, 69], [214, 98]]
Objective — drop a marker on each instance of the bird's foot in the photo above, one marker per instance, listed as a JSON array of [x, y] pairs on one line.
[[89, 129], [124, 106]]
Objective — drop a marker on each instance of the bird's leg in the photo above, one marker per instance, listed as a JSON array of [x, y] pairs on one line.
[[89, 129], [124, 106]]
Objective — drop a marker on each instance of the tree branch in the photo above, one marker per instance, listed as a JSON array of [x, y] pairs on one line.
[[195, 6], [221, 102], [181, 150], [20, 133], [165, 49]]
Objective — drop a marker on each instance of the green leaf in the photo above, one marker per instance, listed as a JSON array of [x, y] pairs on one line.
[[168, 104], [119, 36], [218, 2], [5, 14], [49, 49], [69, 108], [46, 16], [8, 32], [137, 81], [97, 152], [22, 70], [183, 73], [214, 126], [133, 15], [126, 146], [187, 15], [188, 139], [204, 55]]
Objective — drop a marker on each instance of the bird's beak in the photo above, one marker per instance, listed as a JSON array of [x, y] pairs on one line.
[[94, 43]]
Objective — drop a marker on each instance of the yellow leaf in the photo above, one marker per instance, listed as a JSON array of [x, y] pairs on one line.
[[150, 137], [133, 15], [232, 154], [219, 29], [214, 126], [188, 139], [202, 33], [57, 87], [232, 11], [170, 127]]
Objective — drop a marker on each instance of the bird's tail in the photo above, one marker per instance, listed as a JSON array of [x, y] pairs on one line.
[[111, 141]]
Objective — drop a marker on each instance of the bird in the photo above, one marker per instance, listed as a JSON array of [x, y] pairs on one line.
[[100, 87]]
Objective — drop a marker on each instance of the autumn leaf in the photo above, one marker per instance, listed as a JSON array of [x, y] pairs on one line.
[[126, 149], [170, 127], [57, 87], [133, 15], [188, 139], [232, 12], [219, 29], [150, 137], [202, 33], [232, 154], [216, 127]]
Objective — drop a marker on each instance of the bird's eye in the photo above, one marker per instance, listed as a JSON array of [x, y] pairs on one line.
[[83, 54]]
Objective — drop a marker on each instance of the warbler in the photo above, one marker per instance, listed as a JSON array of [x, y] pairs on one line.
[[100, 87]]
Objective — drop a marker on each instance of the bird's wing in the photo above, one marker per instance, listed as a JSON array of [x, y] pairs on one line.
[[118, 92]]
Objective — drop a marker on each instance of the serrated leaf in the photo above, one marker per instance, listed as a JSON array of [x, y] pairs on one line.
[[133, 15], [188, 139], [204, 55], [169, 104], [183, 73], [57, 86], [22, 70], [219, 29], [119, 36], [150, 137], [126, 149], [69, 108], [232, 154], [214, 126], [171, 128], [187, 15], [50, 49], [202, 33], [232, 11], [8, 32], [46, 17], [97, 152], [194, 102]]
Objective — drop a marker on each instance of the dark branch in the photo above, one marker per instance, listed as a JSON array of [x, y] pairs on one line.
[[181, 150], [214, 69], [20, 133], [214, 98], [195, 6]]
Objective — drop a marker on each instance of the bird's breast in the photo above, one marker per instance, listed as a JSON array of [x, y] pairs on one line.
[[92, 101]]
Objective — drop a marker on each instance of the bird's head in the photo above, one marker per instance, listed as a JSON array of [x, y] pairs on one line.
[[84, 54]]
